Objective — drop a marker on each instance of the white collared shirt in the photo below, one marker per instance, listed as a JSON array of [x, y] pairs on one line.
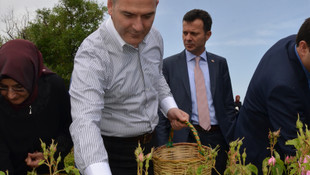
[[115, 91]]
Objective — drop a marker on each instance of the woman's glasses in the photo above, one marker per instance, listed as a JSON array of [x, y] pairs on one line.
[[14, 89]]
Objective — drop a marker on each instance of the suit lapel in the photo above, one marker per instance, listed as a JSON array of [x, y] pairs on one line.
[[182, 66], [212, 72]]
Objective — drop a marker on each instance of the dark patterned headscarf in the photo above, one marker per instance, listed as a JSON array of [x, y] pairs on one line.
[[22, 61]]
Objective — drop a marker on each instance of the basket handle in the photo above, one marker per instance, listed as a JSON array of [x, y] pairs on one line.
[[195, 133]]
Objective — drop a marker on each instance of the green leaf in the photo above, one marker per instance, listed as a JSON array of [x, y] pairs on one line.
[[227, 171], [293, 142], [296, 171], [276, 155], [72, 169], [41, 162], [265, 161], [199, 170], [278, 168], [306, 166], [252, 168]]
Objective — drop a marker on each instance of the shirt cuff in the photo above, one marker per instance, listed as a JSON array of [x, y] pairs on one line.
[[166, 104], [98, 169]]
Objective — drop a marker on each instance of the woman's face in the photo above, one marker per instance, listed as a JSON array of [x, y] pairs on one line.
[[12, 91]]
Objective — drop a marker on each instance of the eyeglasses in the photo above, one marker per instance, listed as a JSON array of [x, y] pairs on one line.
[[14, 89]]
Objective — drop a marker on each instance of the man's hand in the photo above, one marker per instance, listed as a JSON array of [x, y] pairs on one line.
[[177, 118], [33, 159]]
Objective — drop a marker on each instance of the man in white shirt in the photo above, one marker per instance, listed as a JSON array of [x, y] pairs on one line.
[[117, 86]]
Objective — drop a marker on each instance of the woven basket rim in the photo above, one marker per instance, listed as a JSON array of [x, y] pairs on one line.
[[158, 149], [164, 165]]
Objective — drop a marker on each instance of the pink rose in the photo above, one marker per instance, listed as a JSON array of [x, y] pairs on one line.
[[306, 159], [141, 157], [289, 159], [272, 161]]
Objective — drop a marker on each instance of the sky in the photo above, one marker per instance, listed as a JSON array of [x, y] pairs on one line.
[[242, 30]]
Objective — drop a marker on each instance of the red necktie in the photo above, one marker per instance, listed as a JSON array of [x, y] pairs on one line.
[[201, 95]]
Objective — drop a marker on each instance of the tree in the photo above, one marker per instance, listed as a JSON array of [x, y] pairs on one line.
[[59, 32], [14, 26]]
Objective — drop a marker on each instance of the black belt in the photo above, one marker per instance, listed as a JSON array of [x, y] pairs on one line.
[[143, 139], [213, 128]]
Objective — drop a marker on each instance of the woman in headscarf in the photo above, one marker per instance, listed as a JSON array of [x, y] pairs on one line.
[[34, 105]]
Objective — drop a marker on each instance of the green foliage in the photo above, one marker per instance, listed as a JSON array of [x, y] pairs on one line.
[[236, 161], [299, 164], [274, 169], [143, 160], [273, 164], [58, 32], [69, 159], [52, 163], [208, 164]]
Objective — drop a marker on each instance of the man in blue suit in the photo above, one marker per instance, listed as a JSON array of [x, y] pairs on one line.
[[277, 94], [179, 73]]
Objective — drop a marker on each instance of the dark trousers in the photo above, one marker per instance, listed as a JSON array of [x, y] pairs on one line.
[[121, 155], [212, 139]]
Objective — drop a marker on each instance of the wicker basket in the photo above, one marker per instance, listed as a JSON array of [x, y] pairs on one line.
[[178, 158]]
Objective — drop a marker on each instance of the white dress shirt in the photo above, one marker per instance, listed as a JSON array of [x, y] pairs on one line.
[[115, 91]]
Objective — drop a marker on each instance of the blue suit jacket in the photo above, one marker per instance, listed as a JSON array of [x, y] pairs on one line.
[[176, 74], [277, 92]]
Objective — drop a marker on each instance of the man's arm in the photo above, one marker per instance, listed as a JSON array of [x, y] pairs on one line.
[[87, 103], [176, 116]]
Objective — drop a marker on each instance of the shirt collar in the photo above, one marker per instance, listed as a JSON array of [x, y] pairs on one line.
[[190, 56], [305, 70], [113, 32]]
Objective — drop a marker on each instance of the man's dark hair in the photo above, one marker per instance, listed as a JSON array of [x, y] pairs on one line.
[[199, 14], [304, 32]]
